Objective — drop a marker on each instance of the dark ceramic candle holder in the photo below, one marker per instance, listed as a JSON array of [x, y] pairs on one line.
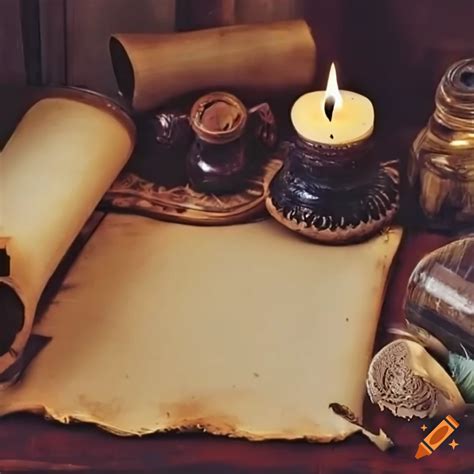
[[334, 194]]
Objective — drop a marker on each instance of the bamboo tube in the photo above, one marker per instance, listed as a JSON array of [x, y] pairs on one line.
[[267, 59]]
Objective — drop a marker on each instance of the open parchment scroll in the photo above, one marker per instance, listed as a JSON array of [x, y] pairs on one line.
[[244, 330]]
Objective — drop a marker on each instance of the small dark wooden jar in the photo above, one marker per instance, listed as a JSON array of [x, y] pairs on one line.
[[335, 194], [217, 160]]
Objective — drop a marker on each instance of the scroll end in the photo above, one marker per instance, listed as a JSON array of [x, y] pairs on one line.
[[4, 257]]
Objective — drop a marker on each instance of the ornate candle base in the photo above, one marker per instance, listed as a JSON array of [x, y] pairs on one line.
[[334, 194]]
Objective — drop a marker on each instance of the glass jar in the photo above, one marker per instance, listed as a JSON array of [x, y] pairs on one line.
[[440, 296], [441, 165]]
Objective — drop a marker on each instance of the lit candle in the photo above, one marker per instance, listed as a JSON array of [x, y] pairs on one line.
[[333, 117]]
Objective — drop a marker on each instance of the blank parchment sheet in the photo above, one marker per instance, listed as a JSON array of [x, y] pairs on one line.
[[245, 330]]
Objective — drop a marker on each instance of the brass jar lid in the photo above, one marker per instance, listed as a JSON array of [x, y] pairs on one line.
[[218, 117], [455, 95]]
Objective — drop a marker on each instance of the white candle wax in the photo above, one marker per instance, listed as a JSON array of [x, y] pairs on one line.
[[352, 119]]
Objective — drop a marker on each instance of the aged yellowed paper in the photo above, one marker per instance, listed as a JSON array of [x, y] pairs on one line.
[[244, 330]]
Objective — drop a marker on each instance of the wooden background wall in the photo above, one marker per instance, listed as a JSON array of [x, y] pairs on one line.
[[388, 49]]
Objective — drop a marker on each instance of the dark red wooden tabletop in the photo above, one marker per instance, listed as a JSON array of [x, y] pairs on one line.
[[28, 442]]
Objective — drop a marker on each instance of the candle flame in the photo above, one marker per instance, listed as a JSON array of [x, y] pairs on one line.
[[332, 89]]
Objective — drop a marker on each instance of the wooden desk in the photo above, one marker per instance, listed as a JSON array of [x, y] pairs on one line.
[[29, 442]]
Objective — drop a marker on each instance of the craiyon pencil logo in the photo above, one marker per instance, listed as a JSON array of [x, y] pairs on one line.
[[437, 436]]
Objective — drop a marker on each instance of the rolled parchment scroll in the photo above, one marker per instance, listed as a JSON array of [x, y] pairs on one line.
[[58, 163], [270, 59], [405, 379]]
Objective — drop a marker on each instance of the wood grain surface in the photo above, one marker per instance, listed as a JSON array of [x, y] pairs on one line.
[[53, 41], [12, 62], [385, 49], [89, 24]]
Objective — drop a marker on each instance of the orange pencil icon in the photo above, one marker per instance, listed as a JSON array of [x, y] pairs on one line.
[[436, 437]]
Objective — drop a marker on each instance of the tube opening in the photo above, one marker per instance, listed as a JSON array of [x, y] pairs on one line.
[[467, 79], [12, 317], [4, 263], [123, 69]]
